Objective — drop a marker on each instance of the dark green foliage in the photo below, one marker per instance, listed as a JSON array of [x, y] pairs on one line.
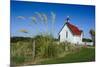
[[86, 40], [17, 39], [92, 33]]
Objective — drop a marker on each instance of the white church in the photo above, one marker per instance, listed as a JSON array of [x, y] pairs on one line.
[[70, 33]]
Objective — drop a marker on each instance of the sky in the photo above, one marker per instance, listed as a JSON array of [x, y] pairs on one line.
[[83, 16]]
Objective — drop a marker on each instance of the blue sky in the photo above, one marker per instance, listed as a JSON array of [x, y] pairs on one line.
[[83, 16]]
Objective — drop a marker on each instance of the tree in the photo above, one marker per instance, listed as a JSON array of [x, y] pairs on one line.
[[92, 33]]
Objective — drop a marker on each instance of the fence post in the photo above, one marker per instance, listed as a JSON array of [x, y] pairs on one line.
[[33, 49]]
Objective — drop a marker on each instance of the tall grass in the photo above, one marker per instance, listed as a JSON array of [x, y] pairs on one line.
[[21, 52], [45, 47]]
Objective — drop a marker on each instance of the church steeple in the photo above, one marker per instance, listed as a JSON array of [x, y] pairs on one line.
[[68, 19]]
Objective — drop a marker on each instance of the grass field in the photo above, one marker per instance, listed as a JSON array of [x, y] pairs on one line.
[[47, 51], [84, 55]]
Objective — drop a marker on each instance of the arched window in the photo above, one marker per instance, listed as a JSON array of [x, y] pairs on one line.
[[66, 34]]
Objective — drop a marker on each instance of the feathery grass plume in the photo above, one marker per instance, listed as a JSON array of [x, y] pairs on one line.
[[23, 31], [21, 17], [39, 15], [44, 18], [53, 17], [34, 21], [33, 18]]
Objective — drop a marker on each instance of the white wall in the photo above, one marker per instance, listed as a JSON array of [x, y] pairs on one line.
[[78, 39], [63, 35], [71, 38], [88, 43]]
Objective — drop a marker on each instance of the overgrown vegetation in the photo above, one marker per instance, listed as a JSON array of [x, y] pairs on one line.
[[46, 47], [23, 51], [84, 55]]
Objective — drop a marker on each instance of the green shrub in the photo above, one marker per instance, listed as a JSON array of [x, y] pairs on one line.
[[46, 47]]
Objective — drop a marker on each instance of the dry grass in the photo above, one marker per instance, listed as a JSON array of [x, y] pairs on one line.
[[22, 53]]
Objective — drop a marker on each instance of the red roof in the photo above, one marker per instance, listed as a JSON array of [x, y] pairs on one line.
[[74, 29]]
